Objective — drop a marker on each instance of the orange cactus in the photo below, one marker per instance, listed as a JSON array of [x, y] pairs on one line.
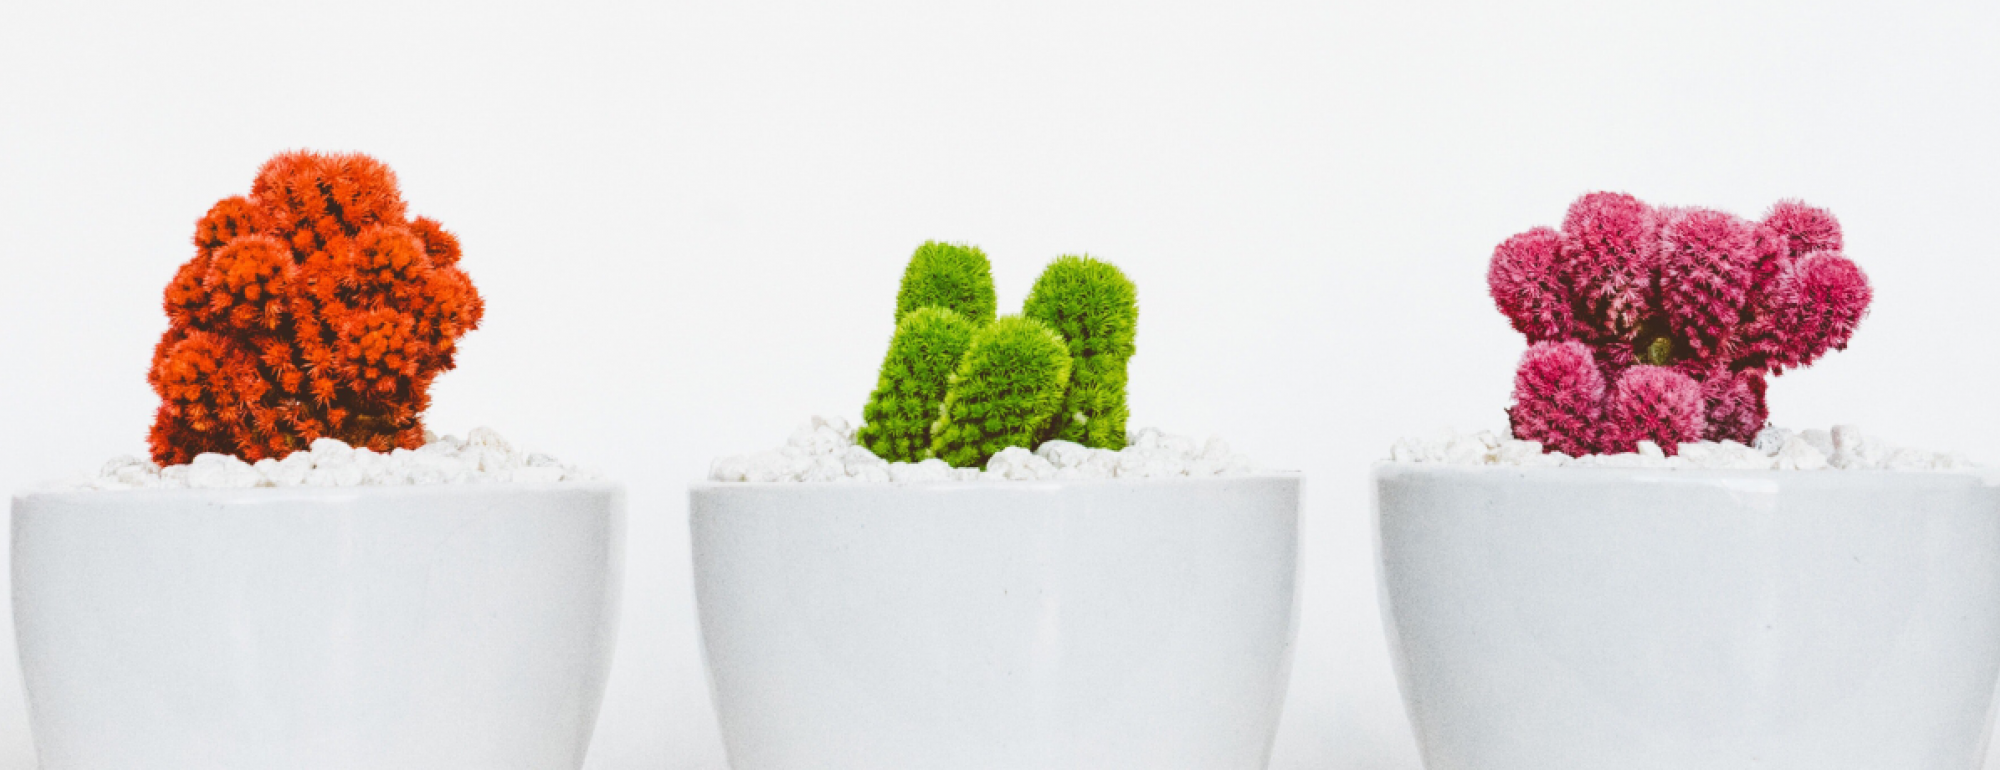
[[312, 308]]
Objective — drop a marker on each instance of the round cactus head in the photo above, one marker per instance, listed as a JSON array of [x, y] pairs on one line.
[[1705, 270], [1815, 303], [1793, 229], [312, 307], [1610, 242], [1096, 310], [1685, 311], [1009, 385], [1559, 398], [1735, 406], [959, 385], [910, 391], [1653, 403], [1528, 285], [953, 276]]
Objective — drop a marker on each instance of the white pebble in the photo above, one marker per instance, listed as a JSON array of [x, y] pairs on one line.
[[860, 462], [329, 452], [824, 468], [1798, 454], [869, 474], [120, 464], [1464, 450], [1150, 453], [1178, 447], [1843, 447], [771, 466], [489, 438], [731, 468], [539, 474], [1019, 464], [1726, 455], [1772, 439], [1064, 454], [218, 471], [920, 472], [484, 456]]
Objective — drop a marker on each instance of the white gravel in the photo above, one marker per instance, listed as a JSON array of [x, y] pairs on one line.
[[1843, 448], [482, 456], [823, 450]]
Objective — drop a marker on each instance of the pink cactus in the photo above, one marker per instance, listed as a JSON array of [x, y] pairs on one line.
[[1794, 229], [1653, 403], [1560, 398], [1526, 286], [1813, 305], [1609, 244], [1664, 324], [1735, 404], [1705, 272]]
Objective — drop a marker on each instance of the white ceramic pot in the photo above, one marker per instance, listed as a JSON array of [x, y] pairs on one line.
[[1047, 625], [1588, 619], [427, 628]]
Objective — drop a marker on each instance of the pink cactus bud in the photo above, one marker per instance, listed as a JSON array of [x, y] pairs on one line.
[[1791, 230], [1526, 284], [1794, 229], [1736, 408], [1705, 272], [1657, 404], [1610, 245], [1558, 398], [1813, 306], [1688, 310]]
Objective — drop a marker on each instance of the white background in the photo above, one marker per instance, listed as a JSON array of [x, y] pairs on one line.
[[688, 222]]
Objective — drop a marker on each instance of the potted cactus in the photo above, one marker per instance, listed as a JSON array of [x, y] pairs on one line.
[[1647, 575], [291, 580], [1008, 578]]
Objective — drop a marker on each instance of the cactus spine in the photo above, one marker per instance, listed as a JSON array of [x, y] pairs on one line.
[[928, 346], [959, 386], [1004, 393], [315, 306], [946, 296], [1663, 324], [953, 276], [1096, 310]]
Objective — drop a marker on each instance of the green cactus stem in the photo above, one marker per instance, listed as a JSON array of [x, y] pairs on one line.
[[1009, 385], [1096, 310], [948, 275], [1658, 351], [926, 349]]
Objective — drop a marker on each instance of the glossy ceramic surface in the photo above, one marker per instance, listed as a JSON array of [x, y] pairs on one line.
[[463, 626], [1058, 625], [1601, 619]]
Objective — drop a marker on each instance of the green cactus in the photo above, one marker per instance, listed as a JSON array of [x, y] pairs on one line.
[[1096, 310], [926, 349], [1004, 392], [948, 275]]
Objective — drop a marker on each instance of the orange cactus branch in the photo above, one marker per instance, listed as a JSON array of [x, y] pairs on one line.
[[312, 307]]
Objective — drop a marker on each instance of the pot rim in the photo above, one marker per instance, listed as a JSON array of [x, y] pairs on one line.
[[1045, 485], [1387, 469], [315, 494]]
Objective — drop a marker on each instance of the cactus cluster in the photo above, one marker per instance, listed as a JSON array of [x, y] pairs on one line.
[[314, 307], [960, 385], [1662, 324]]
